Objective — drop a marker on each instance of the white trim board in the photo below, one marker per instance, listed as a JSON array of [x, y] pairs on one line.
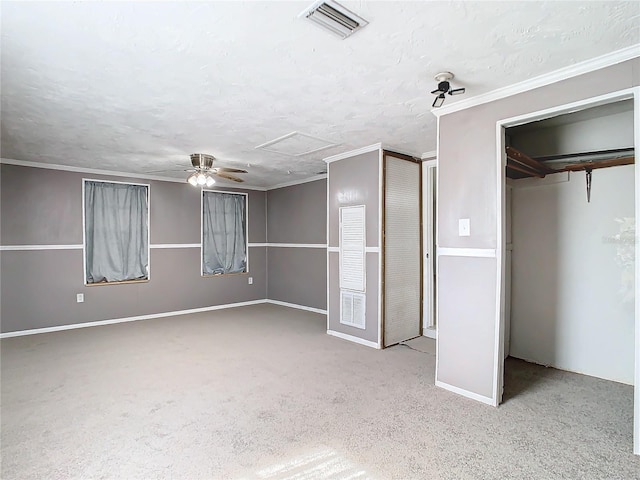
[[353, 339], [624, 94], [98, 323], [20, 248], [432, 155], [466, 252], [152, 246], [295, 245], [366, 249], [580, 68], [436, 234], [353, 153], [294, 305], [380, 240], [96, 171], [175, 245], [430, 333], [466, 393], [636, 390], [315, 178], [369, 148], [328, 248]]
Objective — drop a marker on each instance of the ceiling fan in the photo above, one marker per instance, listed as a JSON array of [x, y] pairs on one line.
[[444, 87], [204, 171]]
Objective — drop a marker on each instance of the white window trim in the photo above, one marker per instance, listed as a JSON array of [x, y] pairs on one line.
[[246, 229], [84, 239]]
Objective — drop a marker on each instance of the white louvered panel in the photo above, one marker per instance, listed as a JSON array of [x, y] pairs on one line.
[[352, 308], [402, 251], [352, 248]]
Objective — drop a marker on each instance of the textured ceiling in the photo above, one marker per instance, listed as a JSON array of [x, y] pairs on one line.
[[137, 87]]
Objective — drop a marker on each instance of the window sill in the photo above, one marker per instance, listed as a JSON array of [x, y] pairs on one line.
[[224, 275], [124, 282]]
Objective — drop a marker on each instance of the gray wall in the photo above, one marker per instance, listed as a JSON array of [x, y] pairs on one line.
[[298, 215], [468, 189], [44, 207], [355, 181]]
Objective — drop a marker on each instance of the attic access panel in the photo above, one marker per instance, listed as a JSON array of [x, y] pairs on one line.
[[296, 144]]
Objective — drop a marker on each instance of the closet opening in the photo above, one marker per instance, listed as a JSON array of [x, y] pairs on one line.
[[568, 262]]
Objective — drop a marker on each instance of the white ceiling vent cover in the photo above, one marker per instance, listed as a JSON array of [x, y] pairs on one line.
[[334, 17]]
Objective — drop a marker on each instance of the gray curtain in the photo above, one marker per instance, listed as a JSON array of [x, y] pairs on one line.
[[224, 248], [116, 229]]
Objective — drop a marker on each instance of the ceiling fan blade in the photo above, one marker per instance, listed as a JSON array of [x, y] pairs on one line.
[[436, 91], [439, 100], [228, 177], [456, 91], [229, 170]]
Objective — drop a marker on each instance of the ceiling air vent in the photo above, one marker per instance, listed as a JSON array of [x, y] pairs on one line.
[[334, 17]]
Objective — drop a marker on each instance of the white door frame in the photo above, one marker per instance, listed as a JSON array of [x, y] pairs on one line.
[[429, 327], [498, 367]]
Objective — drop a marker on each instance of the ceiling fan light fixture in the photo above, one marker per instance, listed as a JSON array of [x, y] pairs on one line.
[[201, 179], [444, 87], [204, 172], [439, 100]]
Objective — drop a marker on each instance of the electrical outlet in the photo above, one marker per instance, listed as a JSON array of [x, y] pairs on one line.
[[80, 298], [250, 280]]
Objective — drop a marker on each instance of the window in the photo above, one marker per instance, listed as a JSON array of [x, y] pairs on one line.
[[116, 232], [224, 233]]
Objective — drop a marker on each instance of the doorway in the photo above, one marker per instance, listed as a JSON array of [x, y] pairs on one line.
[[537, 192], [429, 199], [402, 248]]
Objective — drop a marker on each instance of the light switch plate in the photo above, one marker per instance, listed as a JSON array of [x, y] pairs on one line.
[[464, 227], [80, 297], [250, 280]]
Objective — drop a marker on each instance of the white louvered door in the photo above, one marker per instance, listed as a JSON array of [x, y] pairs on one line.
[[402, 252]]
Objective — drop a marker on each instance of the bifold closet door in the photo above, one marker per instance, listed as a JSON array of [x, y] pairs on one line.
[[402, 262]]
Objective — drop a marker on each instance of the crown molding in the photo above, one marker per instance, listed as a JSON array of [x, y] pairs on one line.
[[581, 68], [353, 153], [367, 149], [109, 173], [391, 149], [298, 182], [429, 155]]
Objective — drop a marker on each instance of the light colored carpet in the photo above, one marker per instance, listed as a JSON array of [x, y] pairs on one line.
[[421, 344], [262, 392]]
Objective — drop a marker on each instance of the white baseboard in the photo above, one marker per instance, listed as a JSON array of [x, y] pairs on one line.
[[351, 338], [35, 331], [294, 305], [430, 333], [466, 393]]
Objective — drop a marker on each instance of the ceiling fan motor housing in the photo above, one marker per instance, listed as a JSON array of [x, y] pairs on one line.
[[444, 86], [202, 161]]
